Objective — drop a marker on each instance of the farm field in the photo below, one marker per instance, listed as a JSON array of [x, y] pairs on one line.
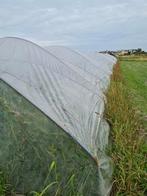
[[126, 111], [134, 71]]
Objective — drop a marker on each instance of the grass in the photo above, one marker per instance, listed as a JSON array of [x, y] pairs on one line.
[[36, 156], [134, 71], [128, 131], [2, 184]]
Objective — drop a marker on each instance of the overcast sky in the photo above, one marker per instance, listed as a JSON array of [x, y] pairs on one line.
[[80, 24]]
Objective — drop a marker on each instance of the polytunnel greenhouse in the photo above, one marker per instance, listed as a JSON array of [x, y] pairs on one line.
[[53, 137]]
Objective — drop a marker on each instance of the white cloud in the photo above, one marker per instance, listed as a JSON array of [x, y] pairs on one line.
[[93, 24]]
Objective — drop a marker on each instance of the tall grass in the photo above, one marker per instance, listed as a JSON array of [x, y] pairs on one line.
[[128, 145], [2, 184], [37, 155]]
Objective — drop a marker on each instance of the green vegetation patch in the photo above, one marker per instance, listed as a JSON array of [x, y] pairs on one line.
[[128, 133], [36, 156], [135, 76]]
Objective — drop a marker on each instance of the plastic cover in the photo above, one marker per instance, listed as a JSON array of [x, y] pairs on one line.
[[68, 87]]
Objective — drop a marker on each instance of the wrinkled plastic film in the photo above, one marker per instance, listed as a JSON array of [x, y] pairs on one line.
[[68, 87]]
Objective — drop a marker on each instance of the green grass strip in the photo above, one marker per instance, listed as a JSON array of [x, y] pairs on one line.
[[128, 144]]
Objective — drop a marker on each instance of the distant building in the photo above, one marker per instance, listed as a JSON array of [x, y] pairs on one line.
[[124, 52]]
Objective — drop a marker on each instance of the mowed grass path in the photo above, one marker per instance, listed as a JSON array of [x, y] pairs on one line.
[[134, 70]]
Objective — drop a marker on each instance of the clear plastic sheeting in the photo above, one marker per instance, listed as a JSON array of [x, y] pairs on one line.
[[93, 70], [103, 59], [66, 86]]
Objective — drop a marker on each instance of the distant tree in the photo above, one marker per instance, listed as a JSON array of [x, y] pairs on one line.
[[129, 52], [139, 50]]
